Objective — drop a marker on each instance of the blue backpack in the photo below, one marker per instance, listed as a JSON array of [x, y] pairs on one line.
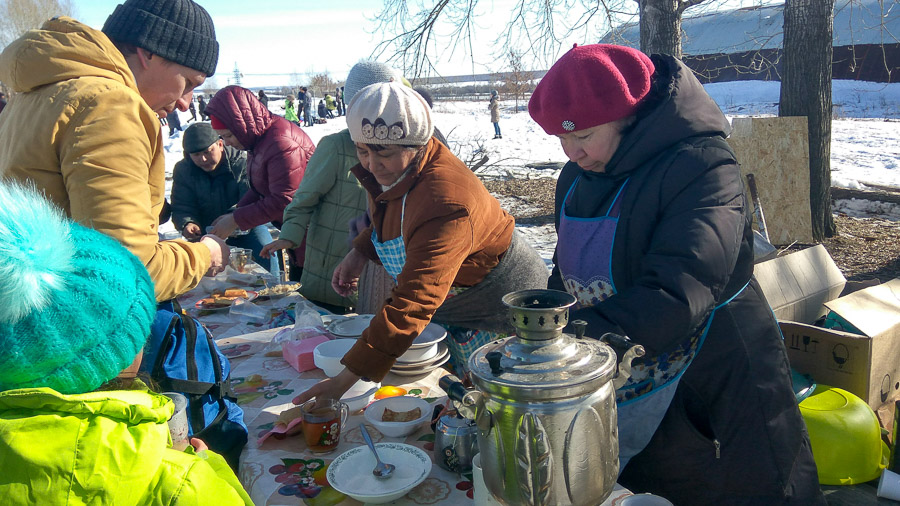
[[182, 356]]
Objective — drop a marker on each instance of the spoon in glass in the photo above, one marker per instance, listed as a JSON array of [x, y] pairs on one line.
[[381, 470]]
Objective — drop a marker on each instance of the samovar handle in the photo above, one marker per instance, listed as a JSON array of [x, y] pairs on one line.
[[628, 350], [467, 401]]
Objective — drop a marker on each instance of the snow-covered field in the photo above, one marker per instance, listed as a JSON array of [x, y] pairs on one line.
[[864, 149]]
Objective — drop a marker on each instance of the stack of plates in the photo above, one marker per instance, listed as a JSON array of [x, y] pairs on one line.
[[427, 353]]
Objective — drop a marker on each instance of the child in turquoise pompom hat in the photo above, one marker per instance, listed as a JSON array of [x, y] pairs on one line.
[[76, 311]]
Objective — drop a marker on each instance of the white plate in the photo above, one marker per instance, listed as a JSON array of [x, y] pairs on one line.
[[293, 285], [330, 318], [352, 326], [442, 351], [431, 334], [423, 370], [251, 296], [350, 473]]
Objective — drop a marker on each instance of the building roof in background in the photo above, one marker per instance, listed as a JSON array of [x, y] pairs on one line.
[[753, 28]]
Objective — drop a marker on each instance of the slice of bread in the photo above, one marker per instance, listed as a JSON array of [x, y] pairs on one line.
[[401, 416]]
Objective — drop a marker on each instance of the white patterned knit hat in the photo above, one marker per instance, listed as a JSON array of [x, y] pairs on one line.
[[389, 113]]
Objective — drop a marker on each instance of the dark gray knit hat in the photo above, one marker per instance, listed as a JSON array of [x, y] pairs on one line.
[[178, 30], [198, 137]]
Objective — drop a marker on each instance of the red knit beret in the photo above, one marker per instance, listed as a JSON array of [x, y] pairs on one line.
[[589, 86], [216, 124]]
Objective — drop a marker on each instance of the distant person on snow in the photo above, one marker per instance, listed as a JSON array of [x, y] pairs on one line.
[[201, 105], [494, 107], [306, 104], [174, 122], [330, 106], [264, 98], [323, 111], [289, 113], [339, 100]]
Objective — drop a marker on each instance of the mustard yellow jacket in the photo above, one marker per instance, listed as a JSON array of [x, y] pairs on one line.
[[77, 127]]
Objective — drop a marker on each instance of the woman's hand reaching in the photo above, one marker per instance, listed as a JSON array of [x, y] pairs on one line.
[[346, 275], [276, 245], [329, 388], [224, 226]]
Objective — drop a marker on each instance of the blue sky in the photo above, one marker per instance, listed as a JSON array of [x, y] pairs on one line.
[[271, 39]]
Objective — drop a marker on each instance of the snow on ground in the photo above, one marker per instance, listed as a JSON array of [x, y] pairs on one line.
[[864, 147]]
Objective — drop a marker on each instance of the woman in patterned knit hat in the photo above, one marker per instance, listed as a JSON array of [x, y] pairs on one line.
[[438, 232]]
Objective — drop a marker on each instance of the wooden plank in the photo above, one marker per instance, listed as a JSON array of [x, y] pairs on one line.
[[854, 495], [878, 196]]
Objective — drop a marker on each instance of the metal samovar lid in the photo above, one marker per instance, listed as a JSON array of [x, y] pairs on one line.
[[541, 363]]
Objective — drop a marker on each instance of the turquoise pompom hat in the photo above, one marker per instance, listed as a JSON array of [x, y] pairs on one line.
[[76, 306]]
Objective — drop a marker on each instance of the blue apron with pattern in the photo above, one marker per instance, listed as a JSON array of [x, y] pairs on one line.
[[584, 257], [392, 253], [462, 342]]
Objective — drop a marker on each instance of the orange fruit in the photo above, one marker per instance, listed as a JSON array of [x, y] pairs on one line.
[[389, 391]]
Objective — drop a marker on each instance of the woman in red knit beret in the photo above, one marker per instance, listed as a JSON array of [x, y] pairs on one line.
[[655, 243]]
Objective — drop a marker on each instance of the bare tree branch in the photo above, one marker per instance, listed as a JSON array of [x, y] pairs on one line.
[[19, 16]]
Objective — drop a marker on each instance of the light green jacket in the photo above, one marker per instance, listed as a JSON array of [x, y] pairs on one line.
[[102, 448], [328, 198], [289, 113]]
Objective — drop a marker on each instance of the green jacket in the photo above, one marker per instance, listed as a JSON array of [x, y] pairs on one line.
[[102, 448], [328, 198], [289, 113]]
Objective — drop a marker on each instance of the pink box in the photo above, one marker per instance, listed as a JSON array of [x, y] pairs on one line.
[[300, 353]]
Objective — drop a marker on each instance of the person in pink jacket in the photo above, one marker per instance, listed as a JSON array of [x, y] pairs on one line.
[[278, 151]]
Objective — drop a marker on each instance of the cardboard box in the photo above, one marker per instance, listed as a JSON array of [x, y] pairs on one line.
[[867, 365], [797, 285]]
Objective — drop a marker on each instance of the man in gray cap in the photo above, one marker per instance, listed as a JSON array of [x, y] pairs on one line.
[[207, 183], [89, 103]]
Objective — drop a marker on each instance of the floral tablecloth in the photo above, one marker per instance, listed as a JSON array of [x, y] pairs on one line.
[[283, 471], [275, 312]]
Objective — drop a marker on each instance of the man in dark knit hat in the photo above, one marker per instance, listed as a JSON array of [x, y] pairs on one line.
[[89, 103], [210, 180]]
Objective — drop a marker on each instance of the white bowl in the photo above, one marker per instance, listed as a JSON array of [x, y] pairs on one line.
[[399, 403], [431, 334], [350, 473], [360, 395], [419, 354], [327, 356]]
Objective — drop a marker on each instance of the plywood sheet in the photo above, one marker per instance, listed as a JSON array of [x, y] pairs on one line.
[[776, 151]]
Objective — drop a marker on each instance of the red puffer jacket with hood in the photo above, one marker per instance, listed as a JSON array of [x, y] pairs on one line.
[[277, 154]]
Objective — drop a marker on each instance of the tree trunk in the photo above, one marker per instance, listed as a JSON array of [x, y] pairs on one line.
[[806, 91], [661, 27]]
